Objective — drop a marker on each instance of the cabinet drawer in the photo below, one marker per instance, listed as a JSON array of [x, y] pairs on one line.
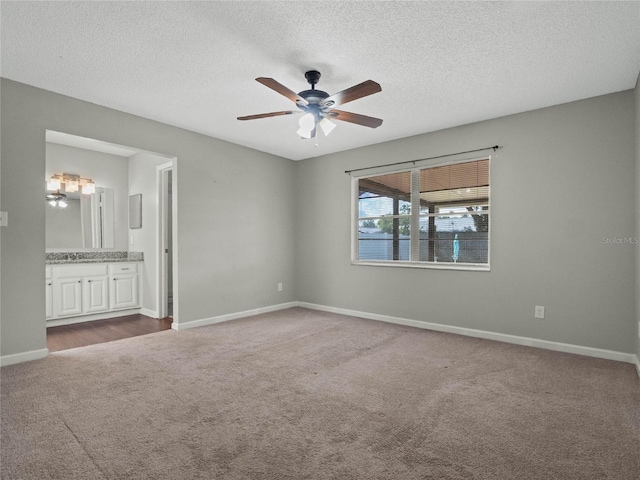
[[119, 268], [85, 270]]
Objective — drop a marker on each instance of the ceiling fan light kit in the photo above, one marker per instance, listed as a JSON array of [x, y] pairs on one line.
[[57, 199], [319, 106]]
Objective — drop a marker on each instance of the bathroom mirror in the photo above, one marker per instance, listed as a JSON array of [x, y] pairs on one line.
[[90, 221], [87, 221]]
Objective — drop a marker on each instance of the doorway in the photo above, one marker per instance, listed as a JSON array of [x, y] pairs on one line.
[[166, 201], [128, 172]]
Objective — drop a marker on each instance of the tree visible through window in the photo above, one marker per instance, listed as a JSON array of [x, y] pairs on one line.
[[433, 215]]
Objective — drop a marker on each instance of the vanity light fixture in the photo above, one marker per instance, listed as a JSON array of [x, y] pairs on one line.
[[89, 188], [53, 183], [72, 183]]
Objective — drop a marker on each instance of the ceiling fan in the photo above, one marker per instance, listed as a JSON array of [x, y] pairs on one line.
[[319, 106]]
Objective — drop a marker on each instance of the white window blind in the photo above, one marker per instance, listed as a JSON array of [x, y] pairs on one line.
[[426, 216]]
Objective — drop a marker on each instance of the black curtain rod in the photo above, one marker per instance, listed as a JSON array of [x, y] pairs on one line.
[[494, 148]]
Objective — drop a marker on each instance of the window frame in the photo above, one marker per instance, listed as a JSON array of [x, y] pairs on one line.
[[415, 217]]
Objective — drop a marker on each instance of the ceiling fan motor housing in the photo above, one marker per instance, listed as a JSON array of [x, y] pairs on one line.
[[313, 77], [313, 96]]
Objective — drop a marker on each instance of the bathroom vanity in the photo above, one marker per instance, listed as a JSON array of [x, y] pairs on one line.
[[88, 287]]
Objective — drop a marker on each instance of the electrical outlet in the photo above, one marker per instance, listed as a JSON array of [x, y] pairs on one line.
[[539, 312], [4, 219], [280, 286]]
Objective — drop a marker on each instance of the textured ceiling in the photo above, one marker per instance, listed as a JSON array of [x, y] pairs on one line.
[[440, 64]]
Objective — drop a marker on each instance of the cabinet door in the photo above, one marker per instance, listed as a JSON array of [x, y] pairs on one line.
[[124, 291], [68, 297], [95, 295], [48, 289]]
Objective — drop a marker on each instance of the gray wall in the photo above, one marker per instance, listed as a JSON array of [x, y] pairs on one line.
[[235, 212], [637, 203], [562, 182]]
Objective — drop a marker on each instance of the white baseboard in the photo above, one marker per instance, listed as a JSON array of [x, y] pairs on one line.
[[231, 316], [500, 337], [23, 357], [149, 313]]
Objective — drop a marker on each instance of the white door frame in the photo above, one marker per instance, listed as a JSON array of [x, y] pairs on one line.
[[162, 267]]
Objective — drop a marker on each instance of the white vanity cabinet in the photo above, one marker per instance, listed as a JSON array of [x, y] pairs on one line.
[[90, 291], [48, 293], [67, 296], [124, 285], [95, 294]]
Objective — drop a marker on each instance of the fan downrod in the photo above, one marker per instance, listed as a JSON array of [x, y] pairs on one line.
[[313, 77]]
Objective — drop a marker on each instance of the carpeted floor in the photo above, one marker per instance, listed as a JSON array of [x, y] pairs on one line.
[[300, 394]]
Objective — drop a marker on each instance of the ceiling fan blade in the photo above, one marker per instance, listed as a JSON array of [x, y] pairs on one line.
[[356, 118], [265, 115], [282, 90], [350, 94]]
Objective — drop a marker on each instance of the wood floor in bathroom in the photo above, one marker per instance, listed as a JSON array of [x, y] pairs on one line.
[[100, 331]]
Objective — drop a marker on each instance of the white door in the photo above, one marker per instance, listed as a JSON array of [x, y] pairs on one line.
[[166, 187]]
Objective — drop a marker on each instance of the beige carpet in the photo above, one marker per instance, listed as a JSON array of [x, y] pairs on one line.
[[300, 394]]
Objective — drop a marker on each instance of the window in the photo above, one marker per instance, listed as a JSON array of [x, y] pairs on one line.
[[424, 217]]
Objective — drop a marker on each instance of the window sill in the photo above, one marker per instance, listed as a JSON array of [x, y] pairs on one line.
[[475, 267]]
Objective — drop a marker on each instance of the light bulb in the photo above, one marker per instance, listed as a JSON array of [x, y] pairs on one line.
[[304, 134], [53, 184], [89, 188], [307, 124], [72, 185], [52, 203], [327, 126], [62, 203]]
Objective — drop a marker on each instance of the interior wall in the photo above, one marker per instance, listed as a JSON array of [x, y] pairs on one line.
[[105, 170], [637, 124], [142, 179], [561, 193], [235, 212]]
